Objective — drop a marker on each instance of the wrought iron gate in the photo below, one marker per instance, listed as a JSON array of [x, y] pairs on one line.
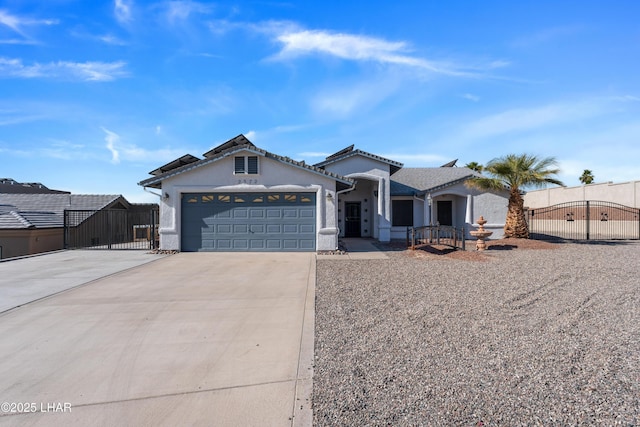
[[585, 220], [111, 228]]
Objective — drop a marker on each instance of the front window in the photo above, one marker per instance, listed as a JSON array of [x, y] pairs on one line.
[[246, 165], [402, 213]]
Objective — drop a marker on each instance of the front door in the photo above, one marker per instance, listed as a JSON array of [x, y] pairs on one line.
[[445, 212], [352, 219]]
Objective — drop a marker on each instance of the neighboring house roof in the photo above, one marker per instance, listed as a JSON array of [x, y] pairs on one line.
[[236, 145], [419, 181], [349, 152], [24, 211], [11, 186]]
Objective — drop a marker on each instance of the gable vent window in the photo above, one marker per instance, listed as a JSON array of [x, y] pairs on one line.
[[246, 165]]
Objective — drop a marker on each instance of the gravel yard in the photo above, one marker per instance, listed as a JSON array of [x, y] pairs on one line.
[[545, 334]]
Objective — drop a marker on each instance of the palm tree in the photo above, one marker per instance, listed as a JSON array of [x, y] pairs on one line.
[[587, 177], [474, 166], [515, 172]]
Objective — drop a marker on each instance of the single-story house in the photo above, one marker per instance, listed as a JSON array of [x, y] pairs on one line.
[[242, 198], [32, 217]]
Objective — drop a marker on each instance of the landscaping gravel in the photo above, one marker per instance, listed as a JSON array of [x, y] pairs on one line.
[[516, 337]]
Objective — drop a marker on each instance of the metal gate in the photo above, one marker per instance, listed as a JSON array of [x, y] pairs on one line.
[[111, 229], [585, 220]]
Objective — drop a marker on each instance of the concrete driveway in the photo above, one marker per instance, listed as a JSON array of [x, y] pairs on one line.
[[190, 339]]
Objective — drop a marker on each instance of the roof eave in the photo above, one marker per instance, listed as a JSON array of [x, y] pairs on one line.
[[156, 182], [441, 186], [391, 163]]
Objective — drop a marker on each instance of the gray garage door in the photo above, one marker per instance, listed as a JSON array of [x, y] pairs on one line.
[[248, 222]]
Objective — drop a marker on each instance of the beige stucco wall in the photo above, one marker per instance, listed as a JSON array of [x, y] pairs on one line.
[[624, 193], [15, 243]]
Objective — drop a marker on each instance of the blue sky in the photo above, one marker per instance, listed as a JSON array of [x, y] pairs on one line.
[[95, 94]]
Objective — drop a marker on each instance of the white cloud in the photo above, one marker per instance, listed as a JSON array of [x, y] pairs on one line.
[[17, 24], [344, 101], [314, 154], [547, 35], [112, 140], [122, 151], [471, 97], [122, 11], [352, 47], [251, 135], [13, 117], [179, 11], [87, 71], [528, 119], [112, 40]]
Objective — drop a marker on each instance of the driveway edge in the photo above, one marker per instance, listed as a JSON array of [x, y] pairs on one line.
[[303, 409]]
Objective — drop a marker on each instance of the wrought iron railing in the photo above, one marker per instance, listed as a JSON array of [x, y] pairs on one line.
[[438, 234]]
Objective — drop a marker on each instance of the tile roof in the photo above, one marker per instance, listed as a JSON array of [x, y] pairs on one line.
[[10, 185], [412, 181], [47, 210], [230, 148]]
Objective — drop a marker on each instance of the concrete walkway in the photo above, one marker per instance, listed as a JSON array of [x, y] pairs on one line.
[[191, 339], [357, 248]]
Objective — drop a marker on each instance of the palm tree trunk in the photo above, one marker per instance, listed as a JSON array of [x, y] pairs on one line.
[[516, 223]]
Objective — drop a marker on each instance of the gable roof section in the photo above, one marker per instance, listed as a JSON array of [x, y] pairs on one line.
[[25, 211], [13, 220], [419, 181], [350, 152], [233, 148], [233, 142], [184, 160]]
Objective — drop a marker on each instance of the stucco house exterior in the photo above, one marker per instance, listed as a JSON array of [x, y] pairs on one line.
[[240, 197]]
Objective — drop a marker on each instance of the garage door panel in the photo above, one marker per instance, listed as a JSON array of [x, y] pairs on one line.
[[221, 213], [223, 228], [248, 222], [290, 213], [257, 244], [290, 243], [307, 228], [257, 228], [223, 244], [307, 213], [240, 244], [240, 228], [290, 228], [309, 244], [242, 213], [273, 244], [274, 228], [257, 213]]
